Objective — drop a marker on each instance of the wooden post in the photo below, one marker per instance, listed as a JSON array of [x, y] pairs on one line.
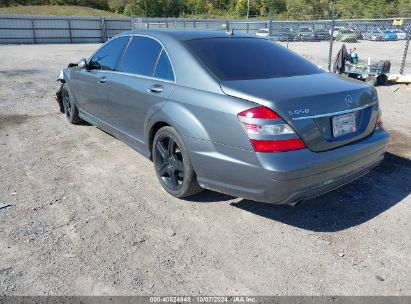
[[69, 24], [34, 31], [103, 30]]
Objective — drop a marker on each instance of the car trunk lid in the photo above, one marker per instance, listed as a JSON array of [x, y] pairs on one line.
[[308, 104]]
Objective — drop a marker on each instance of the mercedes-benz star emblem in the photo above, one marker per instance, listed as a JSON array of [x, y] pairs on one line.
[[349, 101]]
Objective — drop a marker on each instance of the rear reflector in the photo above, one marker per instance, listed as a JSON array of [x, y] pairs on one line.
[[379, 120], [277, 145], [259, 112]]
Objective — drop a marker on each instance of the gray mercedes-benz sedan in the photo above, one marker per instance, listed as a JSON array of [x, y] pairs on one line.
[[228, 112]]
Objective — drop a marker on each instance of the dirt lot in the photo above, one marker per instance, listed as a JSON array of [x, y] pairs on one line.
[[88, 216]]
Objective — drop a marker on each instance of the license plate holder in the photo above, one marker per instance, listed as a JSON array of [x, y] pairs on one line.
[[344, 124]]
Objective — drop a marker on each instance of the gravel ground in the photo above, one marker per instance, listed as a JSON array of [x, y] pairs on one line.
[[88, 217]]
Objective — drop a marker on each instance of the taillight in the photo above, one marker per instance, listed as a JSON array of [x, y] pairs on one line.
[[277, 129], [277, 145], [259, 112], [378, 122], [261, 121]]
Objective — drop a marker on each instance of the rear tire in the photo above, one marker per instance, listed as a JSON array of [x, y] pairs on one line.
[[70, 108], [173, 165]]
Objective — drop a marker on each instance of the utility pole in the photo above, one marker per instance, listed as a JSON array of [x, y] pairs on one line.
[[330, 51], [248, 8]]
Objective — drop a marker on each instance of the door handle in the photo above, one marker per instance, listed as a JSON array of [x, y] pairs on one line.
[[102, 79], [156, 88]]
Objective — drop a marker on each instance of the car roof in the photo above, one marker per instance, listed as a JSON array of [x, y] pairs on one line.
[[183, 35]]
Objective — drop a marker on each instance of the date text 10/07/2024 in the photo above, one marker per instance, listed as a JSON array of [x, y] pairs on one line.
[[202, 299]]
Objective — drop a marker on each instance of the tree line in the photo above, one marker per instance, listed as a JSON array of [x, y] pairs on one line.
[[275, 9]]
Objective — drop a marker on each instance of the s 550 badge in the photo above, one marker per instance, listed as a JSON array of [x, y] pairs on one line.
[[298, 112]]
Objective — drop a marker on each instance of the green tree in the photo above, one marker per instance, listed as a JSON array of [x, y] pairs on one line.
[[135, 8], [195, 6], [117, 6], [241, 7], [404, 8]]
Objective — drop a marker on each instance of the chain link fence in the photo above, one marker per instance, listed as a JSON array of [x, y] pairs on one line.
[[317, 40]]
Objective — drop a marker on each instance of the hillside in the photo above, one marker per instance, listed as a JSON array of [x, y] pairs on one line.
[[56, 10]]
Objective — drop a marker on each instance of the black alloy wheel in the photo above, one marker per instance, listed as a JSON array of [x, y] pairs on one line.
[[169, 163], [173, 164]]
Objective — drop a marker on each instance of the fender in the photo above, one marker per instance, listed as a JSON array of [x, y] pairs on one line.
[[64, 75], [180, 118], [60, 77]]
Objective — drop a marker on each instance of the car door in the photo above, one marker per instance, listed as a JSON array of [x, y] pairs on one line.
[[143, 80], [89, 83]]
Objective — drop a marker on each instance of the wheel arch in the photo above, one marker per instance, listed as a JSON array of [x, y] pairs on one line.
[[178, 117], [152, 133]]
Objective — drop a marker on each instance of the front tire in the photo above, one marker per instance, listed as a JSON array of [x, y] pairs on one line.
[[173, 165], [70, 108]]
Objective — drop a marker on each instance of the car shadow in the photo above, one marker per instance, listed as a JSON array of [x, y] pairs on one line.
[[348, 206], [208, 196], [84, 123]]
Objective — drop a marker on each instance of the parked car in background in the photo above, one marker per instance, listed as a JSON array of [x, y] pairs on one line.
[[357, 31], [282, 34], [346, 35], [401, 35], [336, 30], [305, 33], [321, 34], [263, 32], [228, 112], [380, 35], [389, 35], [373, 35]]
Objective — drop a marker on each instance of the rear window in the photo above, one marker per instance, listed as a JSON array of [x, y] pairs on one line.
[[249, 58]]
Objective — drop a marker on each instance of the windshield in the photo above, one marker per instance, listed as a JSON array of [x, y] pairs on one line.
[[249, 58]]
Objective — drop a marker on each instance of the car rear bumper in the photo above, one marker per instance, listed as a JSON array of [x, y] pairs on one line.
[[284, 178]]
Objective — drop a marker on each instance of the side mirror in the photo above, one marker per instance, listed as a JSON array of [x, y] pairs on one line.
[[83, 64]]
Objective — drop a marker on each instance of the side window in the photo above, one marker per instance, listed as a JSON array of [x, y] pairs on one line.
[[163, 68], [141, 56], [107, 57]]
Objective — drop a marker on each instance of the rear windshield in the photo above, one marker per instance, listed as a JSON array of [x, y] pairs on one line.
[[249, 58]]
